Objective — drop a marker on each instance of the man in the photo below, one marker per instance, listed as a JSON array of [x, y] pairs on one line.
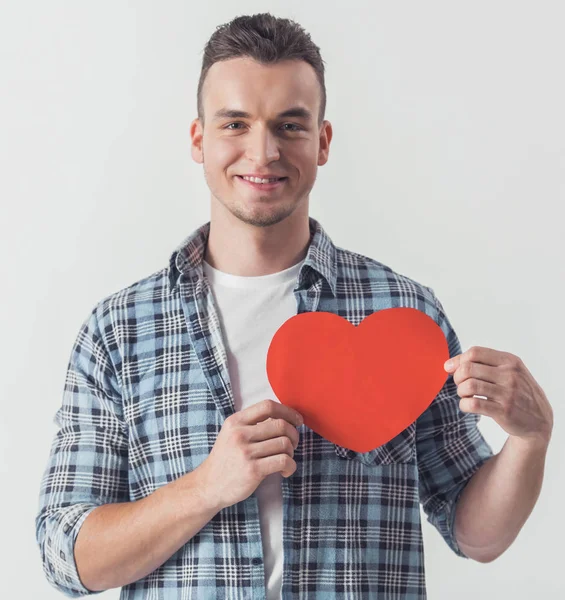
[[177, 474]]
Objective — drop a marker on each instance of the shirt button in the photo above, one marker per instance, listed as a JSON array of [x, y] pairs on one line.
[[62, 555], [66, 528], [257, 561]]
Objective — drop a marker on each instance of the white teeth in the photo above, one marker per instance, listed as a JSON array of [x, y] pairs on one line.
[[257, 180]]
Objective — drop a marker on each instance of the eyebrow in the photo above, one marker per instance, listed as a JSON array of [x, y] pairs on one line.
[[296, 111]]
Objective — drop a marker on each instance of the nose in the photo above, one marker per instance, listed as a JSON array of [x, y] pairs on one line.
[[262, 146]]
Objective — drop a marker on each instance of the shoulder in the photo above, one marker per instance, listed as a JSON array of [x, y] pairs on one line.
[[117, 312], [375, 275]]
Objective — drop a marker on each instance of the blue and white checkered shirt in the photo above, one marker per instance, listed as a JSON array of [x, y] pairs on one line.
[[146, 393]]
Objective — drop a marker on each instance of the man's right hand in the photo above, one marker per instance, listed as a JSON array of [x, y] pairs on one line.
[[252, 444]]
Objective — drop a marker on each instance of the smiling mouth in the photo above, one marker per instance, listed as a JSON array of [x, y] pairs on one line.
[[272, 185], [270, 180]]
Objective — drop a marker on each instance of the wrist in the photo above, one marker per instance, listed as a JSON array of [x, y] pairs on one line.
[[531, 444], [204, 490]]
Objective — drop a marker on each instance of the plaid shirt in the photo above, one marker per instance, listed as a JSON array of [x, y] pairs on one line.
[[146, 393]]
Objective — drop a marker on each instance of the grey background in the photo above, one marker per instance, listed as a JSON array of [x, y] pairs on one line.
[[447, 164]]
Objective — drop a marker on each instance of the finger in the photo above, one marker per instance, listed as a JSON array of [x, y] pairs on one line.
[[472, 370], [481, 407], [279, 463], [485, 356], [471, 387], [269, 408], [274, 428], [273, 447]]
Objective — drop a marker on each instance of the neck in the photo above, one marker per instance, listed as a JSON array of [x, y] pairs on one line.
[[246, 250]]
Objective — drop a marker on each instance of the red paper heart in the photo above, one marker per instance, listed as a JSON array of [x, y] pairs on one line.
[[358, 387]]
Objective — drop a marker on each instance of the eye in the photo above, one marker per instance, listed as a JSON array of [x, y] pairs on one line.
[[294, 126], [298, 128]]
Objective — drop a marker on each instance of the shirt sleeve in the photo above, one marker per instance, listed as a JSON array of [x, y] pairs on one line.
[[88, 463], [449, 446]]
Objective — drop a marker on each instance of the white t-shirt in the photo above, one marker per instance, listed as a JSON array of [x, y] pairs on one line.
[[251, 309]]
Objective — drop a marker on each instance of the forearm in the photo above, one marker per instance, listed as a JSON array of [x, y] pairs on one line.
[[497, 501], [121, 543]]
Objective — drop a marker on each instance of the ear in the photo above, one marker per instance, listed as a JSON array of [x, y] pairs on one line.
[[196, 133], [325, 139]]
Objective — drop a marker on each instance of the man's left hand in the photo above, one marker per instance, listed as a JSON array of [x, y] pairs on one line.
[[514, 398]]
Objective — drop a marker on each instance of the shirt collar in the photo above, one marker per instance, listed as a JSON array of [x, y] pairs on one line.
[[321, 257]]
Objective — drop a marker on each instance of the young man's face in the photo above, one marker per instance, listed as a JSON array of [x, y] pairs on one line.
[[263, 142]]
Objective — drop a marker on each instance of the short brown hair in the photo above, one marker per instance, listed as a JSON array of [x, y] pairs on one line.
[[266, 39]]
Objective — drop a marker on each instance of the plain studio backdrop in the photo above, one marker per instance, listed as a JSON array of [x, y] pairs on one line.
[[447, 164]]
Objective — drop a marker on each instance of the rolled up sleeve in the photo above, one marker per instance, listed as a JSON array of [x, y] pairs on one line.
[[88, 462], [450, 448]]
